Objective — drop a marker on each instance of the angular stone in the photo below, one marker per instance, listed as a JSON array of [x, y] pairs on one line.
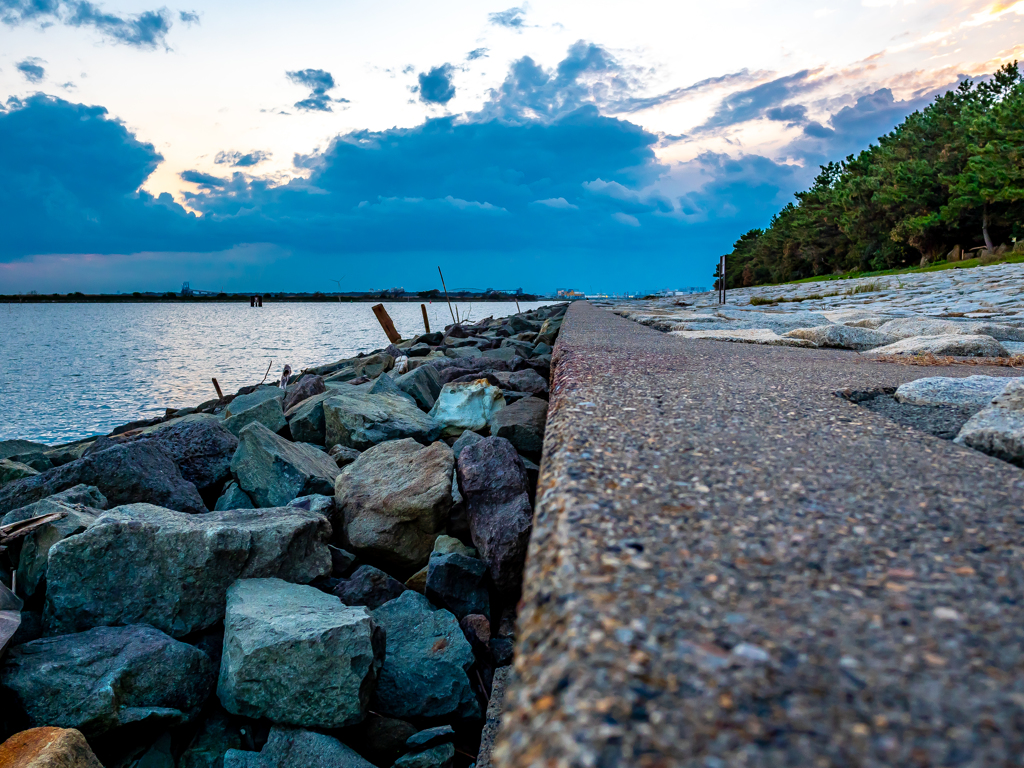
[[961, 345], [428, 658], [477, 629], [35, 547], [843, 337], [381, 740], [458, 583], [322, 505], [944, 390], [306, 420], [233, 497], [998, 429], [446, 545], [385, 385], [910, 327], [373, 366], [434, 757], [139, 471], [343, 456], [144, 564], [267, 412], [431, 737], [362, 420], [297, 656], [342, 561], [368, 586], [108, 677], [273, 471], [494, 483], [48, 748], [394, 500], [527, 380], [216, 735], [500, 353], [422, 384], [493, 721], [418, 581], [10, 448], [296, 748], [14, 470], [744, 335], [522, 424], [307, 386], [468, 405], [466, 438]]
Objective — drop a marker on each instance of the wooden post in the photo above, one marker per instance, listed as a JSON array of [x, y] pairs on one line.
[[385, 322], [426, 322], [217, 387], [722, 278]]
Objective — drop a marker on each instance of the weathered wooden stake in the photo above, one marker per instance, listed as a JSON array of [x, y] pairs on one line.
[[446, 295], [385, 322], [217, 387], [426, 322]]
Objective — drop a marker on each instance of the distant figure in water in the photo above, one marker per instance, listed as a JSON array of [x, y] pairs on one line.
[[285, 375]]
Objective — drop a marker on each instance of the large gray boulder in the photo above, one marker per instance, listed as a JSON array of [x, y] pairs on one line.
[[428, 658], [106, 678], [843, 337], [422, 384], [233, 497], [297, 656], [362, 420], [494, 484], [306, 419], [81, 505], [998, 429], [960, 345], [272, 471], [467, 405], [909, 327], [148, 565], [11, 470], [458, 583], [522, 424], [267, 412], [10, 448], [946, 390], [297, 748], [393, 501], [139, 471]]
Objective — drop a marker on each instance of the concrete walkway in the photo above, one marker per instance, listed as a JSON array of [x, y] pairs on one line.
[[732, 566]]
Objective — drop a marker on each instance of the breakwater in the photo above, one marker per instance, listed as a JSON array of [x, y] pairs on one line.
[[323, 573]]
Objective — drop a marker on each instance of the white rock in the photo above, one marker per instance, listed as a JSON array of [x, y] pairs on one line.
[[950, 344], [842, 337], [945, 390], [745, 335], [998, 430], [466, 405]]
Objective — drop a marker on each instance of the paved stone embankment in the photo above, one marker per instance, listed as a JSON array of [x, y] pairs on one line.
[[732, 566]]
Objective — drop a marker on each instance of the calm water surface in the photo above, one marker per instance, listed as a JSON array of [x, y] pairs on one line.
[[74, 370]]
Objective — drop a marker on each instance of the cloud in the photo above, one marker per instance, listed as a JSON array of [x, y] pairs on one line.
[[757, 102], [32, 69], [188, 18], [435, 86], [791, 113], [202, 179], [513, 18], [319, 83], [476, 53], [143, 30], [240, 159], [557, 202], [72, 179]]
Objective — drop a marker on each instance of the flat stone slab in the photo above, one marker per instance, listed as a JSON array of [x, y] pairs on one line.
[[747, 336], [960, 345], [945, 390], [732, 566]]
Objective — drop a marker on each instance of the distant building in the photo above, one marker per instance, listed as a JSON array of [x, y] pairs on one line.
[[569, 293], [682, 291]]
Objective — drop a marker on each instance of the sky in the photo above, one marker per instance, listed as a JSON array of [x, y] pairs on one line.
[[606, 147]]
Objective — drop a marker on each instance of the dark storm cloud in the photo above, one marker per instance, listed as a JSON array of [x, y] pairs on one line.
[[32, 69], [319, 83], [513, 18], [202, 179], [143, 30], [791, 113], [435, 86], [242, 159], [754, 103]]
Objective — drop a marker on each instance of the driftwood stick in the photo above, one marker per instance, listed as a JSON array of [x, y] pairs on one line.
[[217, 387], [21, 528], [446, 294], [268, 372], [426, 322], [385, 322]]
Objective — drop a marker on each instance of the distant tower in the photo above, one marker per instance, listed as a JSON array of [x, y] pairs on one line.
[[185, 290]]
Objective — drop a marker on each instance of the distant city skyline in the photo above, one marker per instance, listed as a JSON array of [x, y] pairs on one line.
[[554, 144]]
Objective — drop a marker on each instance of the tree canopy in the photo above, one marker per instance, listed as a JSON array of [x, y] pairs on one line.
[[949, 175]]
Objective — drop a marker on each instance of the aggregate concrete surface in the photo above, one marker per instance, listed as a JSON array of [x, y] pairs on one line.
[[732, 566]]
